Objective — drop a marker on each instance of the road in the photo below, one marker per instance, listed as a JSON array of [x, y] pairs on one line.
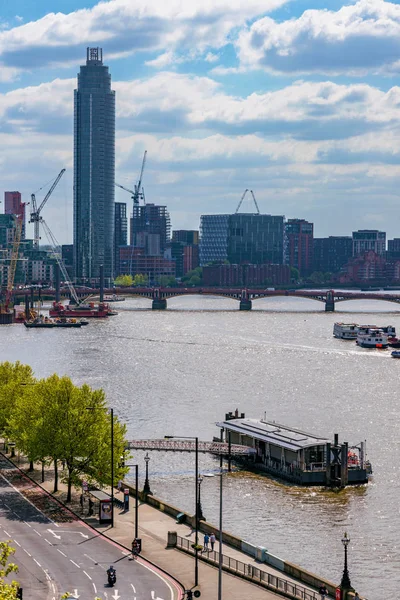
[[55, 558]]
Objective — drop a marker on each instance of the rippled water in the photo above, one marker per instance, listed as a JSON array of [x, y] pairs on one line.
[[179, 371]]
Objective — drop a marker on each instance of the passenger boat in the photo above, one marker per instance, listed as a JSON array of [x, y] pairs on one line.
[[114, 298], [345, 331], [46, 323], [91, 310], [396, 354], [294, 455], [372, 337]]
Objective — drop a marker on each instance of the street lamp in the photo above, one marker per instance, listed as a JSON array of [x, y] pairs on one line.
[[200, 509], [146, 488], [112, 458], [345, 583], [136, 498], [220, 475], [196, 487]]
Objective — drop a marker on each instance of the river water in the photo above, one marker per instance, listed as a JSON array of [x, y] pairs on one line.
[[179, 371]]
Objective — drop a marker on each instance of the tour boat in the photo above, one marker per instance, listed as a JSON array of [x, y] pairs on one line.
[[46, 323], [396, 354], [345, 331], [114, 298], [372, 337]]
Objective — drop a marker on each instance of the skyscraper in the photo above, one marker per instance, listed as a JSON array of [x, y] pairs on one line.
[[299, 247], [94, 169], [120, 233]]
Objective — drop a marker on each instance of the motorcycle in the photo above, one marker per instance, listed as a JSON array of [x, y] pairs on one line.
[[112, 578]]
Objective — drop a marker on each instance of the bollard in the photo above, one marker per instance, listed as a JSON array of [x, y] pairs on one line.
[[172, 539]]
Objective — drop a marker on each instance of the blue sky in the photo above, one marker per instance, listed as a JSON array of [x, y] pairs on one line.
[[299, 103]]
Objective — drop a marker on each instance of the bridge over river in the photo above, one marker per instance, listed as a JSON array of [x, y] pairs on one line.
[[245, 296]]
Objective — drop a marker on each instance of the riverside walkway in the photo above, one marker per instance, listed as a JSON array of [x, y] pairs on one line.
[[190, 446], [154, 526]]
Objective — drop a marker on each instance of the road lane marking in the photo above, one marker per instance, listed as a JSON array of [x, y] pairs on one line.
[[95, 589], [90, 558], [27, 524], [61, 552], [6, 533], [74, 563], [27, 500], [87, 575], [160, 577], [18, 544], [49, 543], [133, 587], [28, 553], [36, 531], [38, 563]]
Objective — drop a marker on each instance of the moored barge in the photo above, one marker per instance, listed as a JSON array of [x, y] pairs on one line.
[[91, 310], [297, 456]]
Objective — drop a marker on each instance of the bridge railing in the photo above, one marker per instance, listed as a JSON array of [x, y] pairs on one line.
[[190, 446]]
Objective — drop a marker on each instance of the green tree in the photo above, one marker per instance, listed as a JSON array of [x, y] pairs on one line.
[[8, 591], [168, 281], [294, 274], [316, 277], [15, 379], [140, 280], [194, 277], [124, 281]]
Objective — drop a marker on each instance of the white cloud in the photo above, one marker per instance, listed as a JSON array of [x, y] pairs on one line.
[[19, 19], [357, 39], [211, 58], [126, 26], [161, 61]]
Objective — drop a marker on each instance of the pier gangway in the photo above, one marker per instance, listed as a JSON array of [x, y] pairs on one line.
[[177, 445]]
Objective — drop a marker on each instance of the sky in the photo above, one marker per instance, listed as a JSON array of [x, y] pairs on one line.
[[297, 100]]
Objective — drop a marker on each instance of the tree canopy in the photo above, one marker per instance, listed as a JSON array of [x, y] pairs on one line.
[[8, 591], [54, 420]]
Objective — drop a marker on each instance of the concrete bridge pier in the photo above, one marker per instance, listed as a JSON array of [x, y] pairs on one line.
[[159, 304], [330, 302], [245, 304]]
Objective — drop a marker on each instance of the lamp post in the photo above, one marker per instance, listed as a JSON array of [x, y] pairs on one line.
[[146, 488], [112, 458], [345, 583], [200, 509], [136, 498], [196, 487], [220, 475]]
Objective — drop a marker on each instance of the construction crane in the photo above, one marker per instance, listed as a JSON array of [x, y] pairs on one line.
[[58, 256], [36, 217], [14, 257], [243, 197], [138, 192]]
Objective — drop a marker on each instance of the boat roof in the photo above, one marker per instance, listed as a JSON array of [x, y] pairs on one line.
[[274, 433]]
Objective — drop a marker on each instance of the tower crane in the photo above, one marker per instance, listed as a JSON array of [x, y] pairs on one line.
[[36, 217], [243, 197], [19, 218], [138, 192]]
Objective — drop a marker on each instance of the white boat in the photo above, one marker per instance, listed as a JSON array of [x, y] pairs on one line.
[[372, 337], [345, 331]]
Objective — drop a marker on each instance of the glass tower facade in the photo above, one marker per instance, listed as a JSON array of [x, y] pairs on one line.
[[213, 238], [120, 233], [94, 169], [255, 239]]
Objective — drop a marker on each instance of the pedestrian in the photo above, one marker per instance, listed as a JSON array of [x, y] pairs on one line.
[[323, 592], [91, 504], [82, 501], [135, 548], [206, 540], [212, 541], [119, 485]]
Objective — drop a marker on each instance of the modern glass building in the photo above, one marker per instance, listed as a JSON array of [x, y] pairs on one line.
[[94, 169], [332, 253], [365, 240], [255, 239], [120, 233], [213, 238]]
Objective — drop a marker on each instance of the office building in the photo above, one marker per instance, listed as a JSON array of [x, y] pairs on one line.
[[134, 261], [332, 253], [185, 250], [393, 250], [366, 240], [213, 238], [299, 248], [186, 236], [255, 239], [94, 169], [246, 275], [150, 229], [120, 232], [13, 206]]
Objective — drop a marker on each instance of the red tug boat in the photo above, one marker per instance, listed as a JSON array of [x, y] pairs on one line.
[[90, 310]]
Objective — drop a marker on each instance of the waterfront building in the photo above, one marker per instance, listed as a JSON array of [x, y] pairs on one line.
[[213, 238], [255, 238], [94, 169], [67, 255], [151, 228], [299, 248], [134, 261], [331, 253], [393, 250], [120, 232], [369, 266], [185, 250], [13, 205], [246, 275], [39, 267], [365, 240]]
